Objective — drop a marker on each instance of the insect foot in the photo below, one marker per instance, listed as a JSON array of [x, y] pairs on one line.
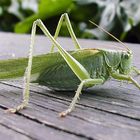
[[64, 113], [10, 110], [14, 110]]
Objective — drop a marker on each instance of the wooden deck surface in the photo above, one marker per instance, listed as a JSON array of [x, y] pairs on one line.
[[107, 112]]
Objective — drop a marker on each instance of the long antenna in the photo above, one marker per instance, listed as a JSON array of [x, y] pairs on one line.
[[102, 29]]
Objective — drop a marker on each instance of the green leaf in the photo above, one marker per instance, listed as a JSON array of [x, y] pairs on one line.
[[25, 25], [47, 8]]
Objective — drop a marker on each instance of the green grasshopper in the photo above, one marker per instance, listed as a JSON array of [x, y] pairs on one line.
[[74, 70]]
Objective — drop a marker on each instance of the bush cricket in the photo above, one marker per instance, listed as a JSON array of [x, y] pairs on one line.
[[72, 70]]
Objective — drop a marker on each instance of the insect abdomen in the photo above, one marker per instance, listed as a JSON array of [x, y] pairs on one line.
[[61, 77]]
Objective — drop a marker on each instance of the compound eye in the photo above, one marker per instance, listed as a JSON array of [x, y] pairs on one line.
[[126, 56]]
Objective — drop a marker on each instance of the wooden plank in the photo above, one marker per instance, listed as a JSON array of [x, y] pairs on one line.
[[19, 45], [46, 111], [111, 100], [32, 129], [7, 133], [106, 112]]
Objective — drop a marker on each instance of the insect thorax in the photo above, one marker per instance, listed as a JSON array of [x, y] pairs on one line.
[[120, 61]]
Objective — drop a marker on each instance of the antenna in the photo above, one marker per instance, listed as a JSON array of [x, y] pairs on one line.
[[102, 29]]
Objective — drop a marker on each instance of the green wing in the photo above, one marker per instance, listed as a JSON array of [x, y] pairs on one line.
[[14, 68]]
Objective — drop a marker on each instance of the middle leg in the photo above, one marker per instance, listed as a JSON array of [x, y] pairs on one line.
[[87, 83], [65, 18]]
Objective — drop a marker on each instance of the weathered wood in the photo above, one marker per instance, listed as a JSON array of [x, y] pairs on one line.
[[7, 133], [105, 112], [114, 100], [46, 111], [32, 129]]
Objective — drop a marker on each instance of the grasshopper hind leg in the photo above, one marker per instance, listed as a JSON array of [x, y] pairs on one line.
[[25, 95], [87, 83], [27, 75], [76, 67]]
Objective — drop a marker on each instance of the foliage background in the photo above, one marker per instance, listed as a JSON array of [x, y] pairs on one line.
[[120, 17]]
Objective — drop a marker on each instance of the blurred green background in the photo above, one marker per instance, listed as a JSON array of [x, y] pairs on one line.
[[119, 17]]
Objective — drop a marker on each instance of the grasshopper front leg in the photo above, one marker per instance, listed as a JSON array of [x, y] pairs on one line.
[[126, 78], [136, 70]]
